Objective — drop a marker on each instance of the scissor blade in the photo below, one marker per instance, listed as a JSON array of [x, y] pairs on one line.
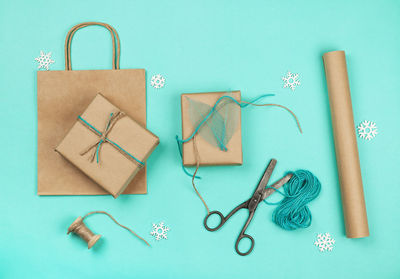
[[269, 191], [266, 176]]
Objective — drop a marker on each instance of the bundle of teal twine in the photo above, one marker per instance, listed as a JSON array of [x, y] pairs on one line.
[[292, 211]]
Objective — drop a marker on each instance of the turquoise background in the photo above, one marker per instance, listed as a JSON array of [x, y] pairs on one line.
[[202, 46]]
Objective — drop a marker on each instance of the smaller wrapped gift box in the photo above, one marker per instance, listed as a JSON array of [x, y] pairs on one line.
[[224, 125], [107, 145]]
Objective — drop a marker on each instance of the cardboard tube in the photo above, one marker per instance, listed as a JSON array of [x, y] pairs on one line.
[[348, 163]]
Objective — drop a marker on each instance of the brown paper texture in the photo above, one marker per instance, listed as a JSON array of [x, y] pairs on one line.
[[114, 171], [62, 95], [348, 163], [209, 154]]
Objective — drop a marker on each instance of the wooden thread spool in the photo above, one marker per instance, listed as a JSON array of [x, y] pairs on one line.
[[80, 229]]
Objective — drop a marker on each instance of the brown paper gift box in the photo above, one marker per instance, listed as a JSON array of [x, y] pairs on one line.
[[62, 95], [115, 168], [209, 154]]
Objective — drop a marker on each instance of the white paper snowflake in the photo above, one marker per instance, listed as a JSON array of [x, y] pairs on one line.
[[159, 231], [44, 60], [367, 130], [157, 81], [324, 242], [291, 80]]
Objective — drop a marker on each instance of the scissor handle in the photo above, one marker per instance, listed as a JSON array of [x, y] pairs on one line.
[[221, 222], [241, 236]]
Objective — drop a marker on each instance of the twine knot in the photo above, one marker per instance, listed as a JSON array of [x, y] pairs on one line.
[[112, 119]]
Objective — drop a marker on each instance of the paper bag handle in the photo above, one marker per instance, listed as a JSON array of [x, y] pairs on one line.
[[68, 39]]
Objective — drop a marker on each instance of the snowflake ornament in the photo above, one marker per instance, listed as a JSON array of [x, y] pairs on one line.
[[44, 60], [291, 80], [159, 231], [324, 242], [367, 130], [157, 81]]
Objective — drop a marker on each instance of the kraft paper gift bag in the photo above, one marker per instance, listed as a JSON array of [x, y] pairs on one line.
[[62, 95]]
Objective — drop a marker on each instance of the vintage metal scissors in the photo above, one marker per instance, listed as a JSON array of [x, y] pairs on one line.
[[259, 195]]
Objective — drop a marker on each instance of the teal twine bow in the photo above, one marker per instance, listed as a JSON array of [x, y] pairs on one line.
[[113, 118], [242, 105], [180, 142]]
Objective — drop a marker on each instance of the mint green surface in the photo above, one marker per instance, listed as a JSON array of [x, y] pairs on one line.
[[202, 46]]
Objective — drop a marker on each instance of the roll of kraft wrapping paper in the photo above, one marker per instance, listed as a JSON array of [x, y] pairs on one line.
[[348, 163]]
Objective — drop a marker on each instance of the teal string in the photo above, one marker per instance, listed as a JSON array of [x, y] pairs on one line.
[[110, 141], [292, 211], [242, 105], [126, 152], [97, 151], [91, 126], [183, 167], [222, 147]]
